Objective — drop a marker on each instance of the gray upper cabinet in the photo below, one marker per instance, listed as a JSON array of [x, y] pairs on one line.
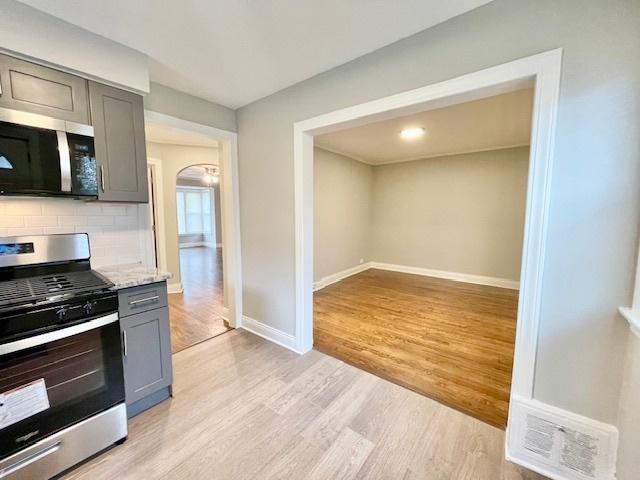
[[118, 121], [33, 88], [147, 353]]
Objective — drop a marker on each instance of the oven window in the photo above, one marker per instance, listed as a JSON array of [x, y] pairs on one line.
[[82, 375]]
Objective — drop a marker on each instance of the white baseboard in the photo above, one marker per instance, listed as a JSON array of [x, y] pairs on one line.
[[534, 426], [200, 244], [174, 288], [225, 314], [267, 332], [427, 272], [336, 277], [458, 277], [192, 244]]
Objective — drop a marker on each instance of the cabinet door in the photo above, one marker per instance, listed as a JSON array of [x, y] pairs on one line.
[[118, 121], [33, 88], [147, 353]]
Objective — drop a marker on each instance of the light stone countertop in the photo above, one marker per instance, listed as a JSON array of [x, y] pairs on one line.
[[132, 275]]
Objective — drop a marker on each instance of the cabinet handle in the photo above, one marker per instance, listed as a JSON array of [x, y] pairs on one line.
[[142, 300], [102, 177], [124, 342]]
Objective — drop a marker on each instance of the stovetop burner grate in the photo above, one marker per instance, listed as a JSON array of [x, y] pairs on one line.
[[36, 288]]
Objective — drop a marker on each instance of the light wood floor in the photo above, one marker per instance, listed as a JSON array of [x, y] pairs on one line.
[[245, 408], [196, 314], [451, 341]]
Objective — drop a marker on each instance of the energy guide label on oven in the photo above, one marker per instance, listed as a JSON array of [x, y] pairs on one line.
[[23, 402]]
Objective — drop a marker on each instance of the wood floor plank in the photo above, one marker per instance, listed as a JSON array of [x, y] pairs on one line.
[[274, 414], [196, 313], [451, 341], [345, 457]]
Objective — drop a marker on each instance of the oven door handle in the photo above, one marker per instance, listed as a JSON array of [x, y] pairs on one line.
[[30, 342], [20, 464]]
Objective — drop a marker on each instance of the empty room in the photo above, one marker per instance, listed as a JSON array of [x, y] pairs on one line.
[[419, 224]]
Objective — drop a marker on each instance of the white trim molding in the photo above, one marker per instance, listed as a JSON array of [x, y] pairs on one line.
[[267, 332], [193, 244], [175, 287], [455, 276], [632, 315], [560, 444], [543, 70], [421, 157], [336, 277], [425, 272]]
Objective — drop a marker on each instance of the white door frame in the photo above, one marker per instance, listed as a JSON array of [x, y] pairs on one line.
[[158, 187], [229, 208], [542, 71]]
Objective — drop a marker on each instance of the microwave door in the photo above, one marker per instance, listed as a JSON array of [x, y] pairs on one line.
[[29, 160]]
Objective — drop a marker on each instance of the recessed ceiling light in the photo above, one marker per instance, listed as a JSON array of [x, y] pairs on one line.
[[411, 133]]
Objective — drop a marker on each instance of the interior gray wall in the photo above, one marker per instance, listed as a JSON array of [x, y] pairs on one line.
[[459, 213], [595, 206], [342, 217], [181, 105]]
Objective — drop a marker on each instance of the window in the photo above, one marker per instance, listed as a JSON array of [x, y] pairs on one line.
[[194, 210]]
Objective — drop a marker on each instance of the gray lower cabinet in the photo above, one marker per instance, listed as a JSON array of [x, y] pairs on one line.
[[34, 88], [146, 342], [121, 157]]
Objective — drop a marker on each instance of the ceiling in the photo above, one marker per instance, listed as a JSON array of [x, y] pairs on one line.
[[486, 124], [196, 172], [236, 51], [164, 134]]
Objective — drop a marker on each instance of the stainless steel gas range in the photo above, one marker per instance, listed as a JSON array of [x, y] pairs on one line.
[[61, 378]]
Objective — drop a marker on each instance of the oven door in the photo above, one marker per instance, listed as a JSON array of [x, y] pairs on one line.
[[54, 380], [30, 162]]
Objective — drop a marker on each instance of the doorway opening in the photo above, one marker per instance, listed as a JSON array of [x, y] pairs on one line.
[[195, 225], [542, 72], [418, 231], [197, 312]]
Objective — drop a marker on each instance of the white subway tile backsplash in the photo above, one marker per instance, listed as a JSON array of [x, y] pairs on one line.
[[72, 220], [100, 220], [129, 221], [84, 209], [114, 210], [89, 230], [14, 232], [10, 221], [40, 221], [58, 230], [58, 207], [14, 206], [113, 228]]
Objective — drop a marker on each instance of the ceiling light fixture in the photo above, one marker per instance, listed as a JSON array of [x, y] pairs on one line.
[[210, 177], [411, 133]]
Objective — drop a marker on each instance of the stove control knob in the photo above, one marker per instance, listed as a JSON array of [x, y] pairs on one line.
[[62, 313], [88, 307]]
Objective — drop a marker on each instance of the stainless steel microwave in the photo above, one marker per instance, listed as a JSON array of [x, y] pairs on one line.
[[45, 156]]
